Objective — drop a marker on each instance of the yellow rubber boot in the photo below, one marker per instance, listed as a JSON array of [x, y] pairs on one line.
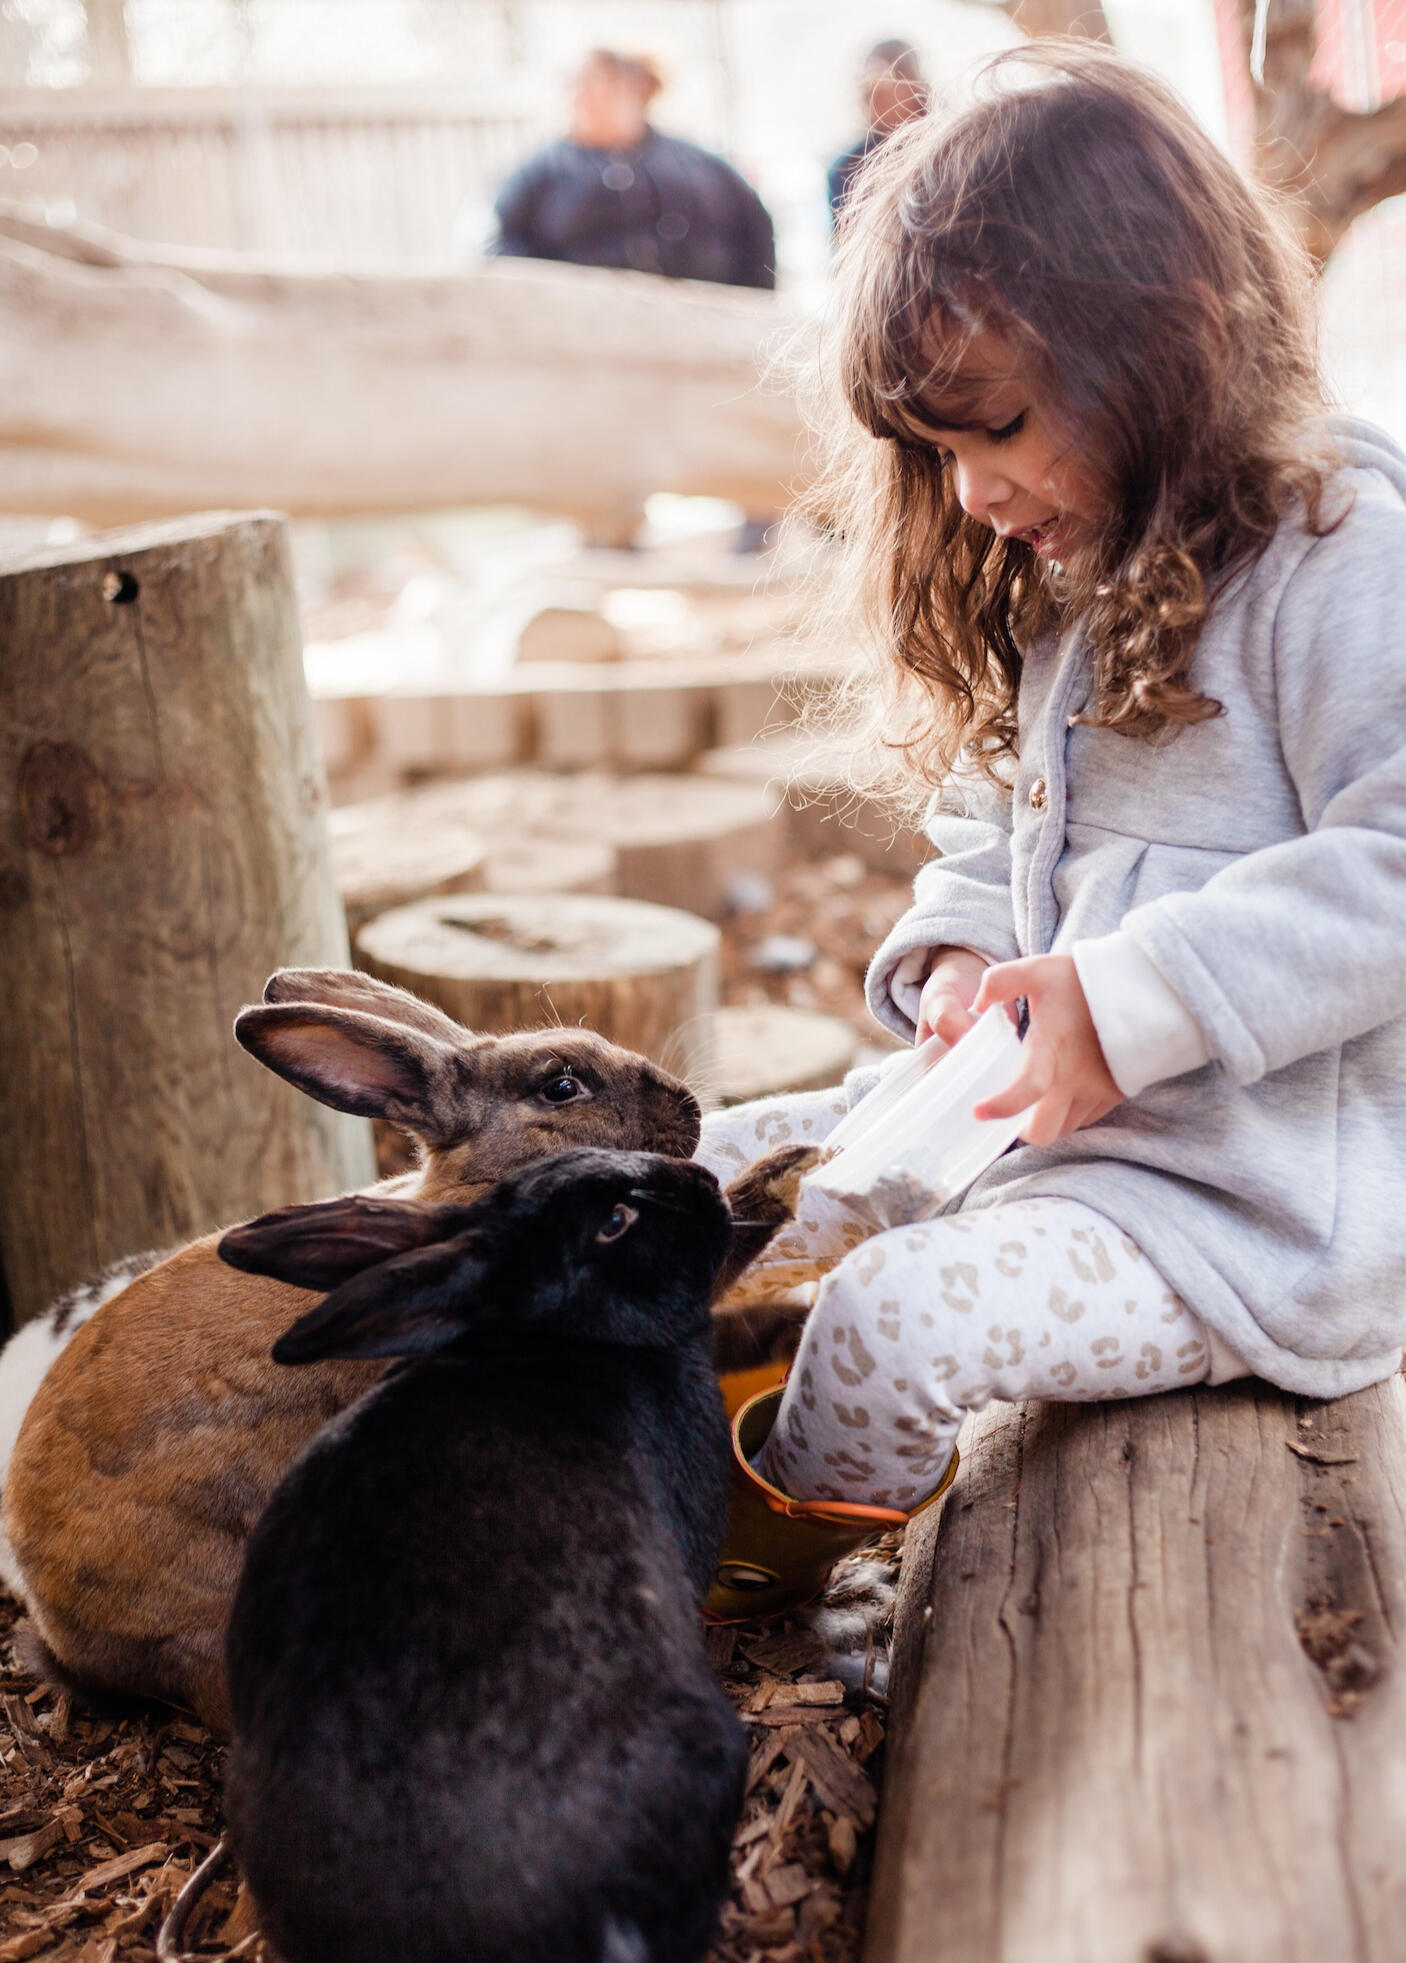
[[778, 1551]]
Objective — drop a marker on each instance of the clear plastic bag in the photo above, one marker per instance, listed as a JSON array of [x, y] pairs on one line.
[[912, 1145], [904, 1152]]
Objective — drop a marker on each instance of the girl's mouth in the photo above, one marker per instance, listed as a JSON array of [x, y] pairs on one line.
[[1045, 538]]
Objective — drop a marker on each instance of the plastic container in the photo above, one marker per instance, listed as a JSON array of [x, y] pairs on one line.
[[912, 1146]]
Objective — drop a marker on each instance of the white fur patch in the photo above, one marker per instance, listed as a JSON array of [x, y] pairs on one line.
[[24, 1363]]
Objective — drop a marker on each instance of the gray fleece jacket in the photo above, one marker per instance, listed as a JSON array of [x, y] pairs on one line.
[[1258, 862]]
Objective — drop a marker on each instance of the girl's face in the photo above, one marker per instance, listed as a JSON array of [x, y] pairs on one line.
[[1009, 468]]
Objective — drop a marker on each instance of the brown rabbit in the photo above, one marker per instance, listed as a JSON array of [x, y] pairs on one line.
[[160, 1430]]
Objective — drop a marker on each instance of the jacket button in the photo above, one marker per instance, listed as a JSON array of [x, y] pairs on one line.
[[1039, 796]]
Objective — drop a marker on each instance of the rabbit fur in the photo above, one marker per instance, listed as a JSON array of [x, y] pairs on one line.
[[474, 1720], [161, 1426]]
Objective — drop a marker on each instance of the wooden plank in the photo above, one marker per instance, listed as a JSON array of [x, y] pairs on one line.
[[1148, 1702]]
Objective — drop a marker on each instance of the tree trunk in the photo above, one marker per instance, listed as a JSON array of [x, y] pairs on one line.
[[645, 976], [162, 849], [1332, 163], [1149, 1705]]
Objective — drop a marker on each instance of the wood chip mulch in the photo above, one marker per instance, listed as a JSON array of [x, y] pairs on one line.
[[844, 909], [104, 1817]]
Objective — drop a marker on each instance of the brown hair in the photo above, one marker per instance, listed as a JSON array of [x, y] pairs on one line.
[[643, 71], [1162, 312]]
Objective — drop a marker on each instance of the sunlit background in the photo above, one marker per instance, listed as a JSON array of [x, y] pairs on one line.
[[375, 131], [372, 135]]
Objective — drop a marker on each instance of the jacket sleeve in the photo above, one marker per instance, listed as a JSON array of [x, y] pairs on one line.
[[1302, 945], [515, 209], [963, 899], [754, 241]]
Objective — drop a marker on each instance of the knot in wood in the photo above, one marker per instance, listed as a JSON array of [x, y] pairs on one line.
[[60, 799], [1176, 1949]]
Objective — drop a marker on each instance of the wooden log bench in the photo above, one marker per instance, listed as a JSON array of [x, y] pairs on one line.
[[1148, 1703]]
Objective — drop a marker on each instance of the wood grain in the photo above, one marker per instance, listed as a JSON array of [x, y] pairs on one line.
[[644, 976], [1148, 1698], [162, 849]]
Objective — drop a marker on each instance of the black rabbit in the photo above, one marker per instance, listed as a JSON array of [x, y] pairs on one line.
[[473, 1717]]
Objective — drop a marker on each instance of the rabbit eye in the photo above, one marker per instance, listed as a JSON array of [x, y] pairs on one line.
[[622, 1218], [563, 1088]]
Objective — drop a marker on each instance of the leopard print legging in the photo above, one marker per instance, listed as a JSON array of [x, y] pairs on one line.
[[919, 1324]]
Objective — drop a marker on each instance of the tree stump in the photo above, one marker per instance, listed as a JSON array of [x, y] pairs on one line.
[[550, 865], [681, 840], [162, 849], [381, 859], [1149, 1703], [567, 633], [678, 840], [824, 815], [770, 1048], [447, 838], [644, 976]]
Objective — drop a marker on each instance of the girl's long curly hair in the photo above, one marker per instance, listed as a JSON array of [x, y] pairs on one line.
[[1162, 312]]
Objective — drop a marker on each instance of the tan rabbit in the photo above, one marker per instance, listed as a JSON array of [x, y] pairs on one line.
[[160, 1430]]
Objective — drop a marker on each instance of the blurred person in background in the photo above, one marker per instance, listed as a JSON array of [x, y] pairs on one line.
[[615, 192], [891, 93]]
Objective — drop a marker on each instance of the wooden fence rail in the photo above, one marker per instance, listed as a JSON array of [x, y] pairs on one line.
[[352, 176]]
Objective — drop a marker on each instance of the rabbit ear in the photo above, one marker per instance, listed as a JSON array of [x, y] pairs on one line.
[[319, 1246], [348, 988], [361, 1063], [409, 1306]]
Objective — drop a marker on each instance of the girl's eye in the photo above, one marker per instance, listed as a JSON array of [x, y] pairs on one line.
[[1008, 430], [563, 1088], [622, 1218]]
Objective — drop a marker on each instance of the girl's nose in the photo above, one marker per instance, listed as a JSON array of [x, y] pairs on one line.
[[980, 490]]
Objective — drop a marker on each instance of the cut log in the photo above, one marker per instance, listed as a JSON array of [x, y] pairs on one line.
[[568, 634], [1149, 1701], [381, 861], [446, 838], [157, 380], [640, 716], [550, 865], [644, 976], [681, 840], [824, 815], [162, 849], [678, 840], [770, 1048]]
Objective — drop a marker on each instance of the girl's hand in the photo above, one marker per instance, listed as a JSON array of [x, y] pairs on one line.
[[1063, 1078], [944, 1007]]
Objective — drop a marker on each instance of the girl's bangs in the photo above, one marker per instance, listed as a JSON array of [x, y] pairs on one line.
[[905, 375]]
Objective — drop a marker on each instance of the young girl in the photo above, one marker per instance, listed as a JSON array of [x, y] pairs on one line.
[[1138, 604]]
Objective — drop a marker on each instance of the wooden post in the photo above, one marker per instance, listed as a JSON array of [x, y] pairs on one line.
[[109, 45], [162, 849], [1149, 1704]]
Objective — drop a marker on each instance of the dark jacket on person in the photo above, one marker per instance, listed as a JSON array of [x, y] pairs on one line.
[[841, 174], [661, 206]]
